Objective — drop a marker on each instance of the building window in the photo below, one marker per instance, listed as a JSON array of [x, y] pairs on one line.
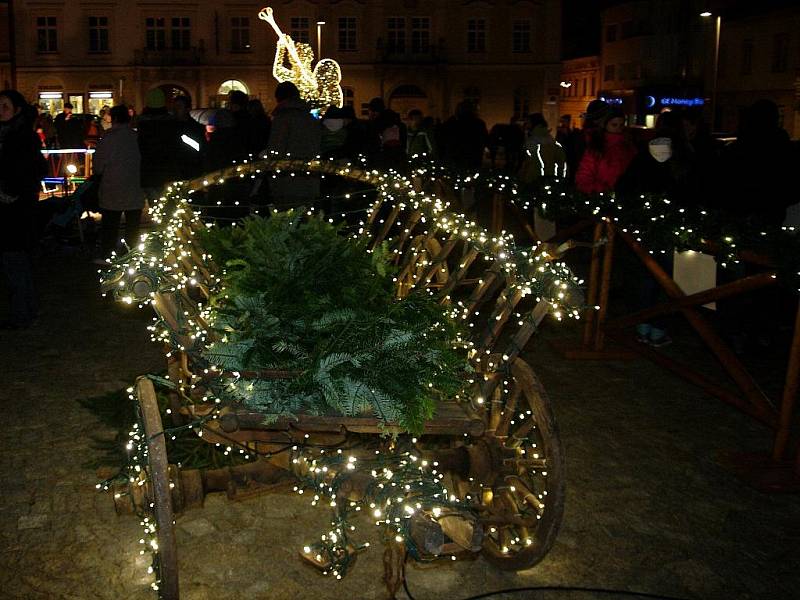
[[231, 85], [780, 53], [611, 33], [609, 73], [521, 36], [155, 33], [181, 33], [46, 34], [300, 30], [347, 34], [522, 102], [240, 34], [594, 85], [472, 94], [98, 34], [746, 66], [420, 35], [396, 34], [476, 35], [349, 96], [628, 30]]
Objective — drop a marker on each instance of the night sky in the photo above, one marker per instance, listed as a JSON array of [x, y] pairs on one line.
[[581, 20]]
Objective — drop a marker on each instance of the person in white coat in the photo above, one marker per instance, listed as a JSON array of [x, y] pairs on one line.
[[117, 162]]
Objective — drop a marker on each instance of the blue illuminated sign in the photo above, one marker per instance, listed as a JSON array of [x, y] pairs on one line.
[[611, 100], [668, 101]]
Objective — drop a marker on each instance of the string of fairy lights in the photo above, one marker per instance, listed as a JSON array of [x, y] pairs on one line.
[[167, 264], [658, 222]]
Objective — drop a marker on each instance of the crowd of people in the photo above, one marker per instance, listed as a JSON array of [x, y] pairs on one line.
[[137, 154]]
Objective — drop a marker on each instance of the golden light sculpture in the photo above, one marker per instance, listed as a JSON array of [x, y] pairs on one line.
[[320, 86]]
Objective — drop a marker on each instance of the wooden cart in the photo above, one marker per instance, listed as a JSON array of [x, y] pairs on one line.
[[498, 446]]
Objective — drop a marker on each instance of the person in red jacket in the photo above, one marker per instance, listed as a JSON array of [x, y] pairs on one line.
[[607, 156]]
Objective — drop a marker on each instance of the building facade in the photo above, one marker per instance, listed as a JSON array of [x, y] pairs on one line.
[[6, 80], [580, 79], [760, 58], [655, 56], [504, 54]]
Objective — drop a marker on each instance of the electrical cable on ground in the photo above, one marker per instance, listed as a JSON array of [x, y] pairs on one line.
[[551, 588]]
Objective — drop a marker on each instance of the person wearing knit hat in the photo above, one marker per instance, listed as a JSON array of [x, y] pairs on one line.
[[155, 99], [596, 111]]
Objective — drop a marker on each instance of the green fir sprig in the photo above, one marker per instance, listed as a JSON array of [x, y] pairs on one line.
[[300, 297]]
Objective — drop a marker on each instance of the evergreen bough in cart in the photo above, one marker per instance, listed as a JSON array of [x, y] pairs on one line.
[[300, 297]]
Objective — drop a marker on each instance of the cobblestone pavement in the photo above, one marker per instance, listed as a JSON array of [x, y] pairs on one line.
[[648, 507]]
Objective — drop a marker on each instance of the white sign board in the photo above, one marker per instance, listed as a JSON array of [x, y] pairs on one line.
[[695, 272]]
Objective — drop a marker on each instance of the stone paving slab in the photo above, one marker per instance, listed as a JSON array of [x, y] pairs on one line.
[[648, 506]]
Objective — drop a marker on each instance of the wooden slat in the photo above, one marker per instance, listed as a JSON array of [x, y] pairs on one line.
[[531, 322], [490, 277], [458, 276], [450, 419], [387, 225], [440, 259], [504, 307], [406, 233]]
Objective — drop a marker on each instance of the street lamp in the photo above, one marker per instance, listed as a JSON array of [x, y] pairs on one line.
[[705, 15], [319, 39]]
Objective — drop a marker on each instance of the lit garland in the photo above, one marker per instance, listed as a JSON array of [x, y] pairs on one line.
[[166, 262], [401, 484], [654, 220]]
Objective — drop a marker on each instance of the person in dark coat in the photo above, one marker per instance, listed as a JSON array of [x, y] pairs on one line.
[[511, 138], [757, 171], [386, 137], [260, 126], [191, 151], [665, 166], [69, 130], [243, 123], [159, 138], [116, 161], [224, 144], [464, 139], [21, 169], [297, 134]]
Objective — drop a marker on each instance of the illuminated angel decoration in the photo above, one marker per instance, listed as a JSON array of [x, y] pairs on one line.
[[320, 86]]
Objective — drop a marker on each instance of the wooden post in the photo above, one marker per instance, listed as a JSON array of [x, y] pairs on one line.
[[789, 396], [162, 496], [735, 288], [605, 284], [591, 297], [394, 557], [497, 213], [725, 355]]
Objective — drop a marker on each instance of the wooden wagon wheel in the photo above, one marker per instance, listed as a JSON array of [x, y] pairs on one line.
[[516, 472], [158, 489]]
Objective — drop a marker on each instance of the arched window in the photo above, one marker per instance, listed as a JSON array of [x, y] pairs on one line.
[[230, 85]]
